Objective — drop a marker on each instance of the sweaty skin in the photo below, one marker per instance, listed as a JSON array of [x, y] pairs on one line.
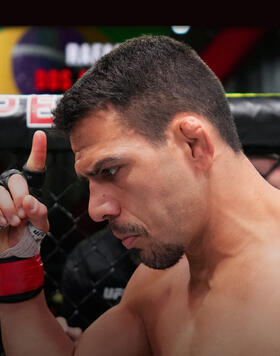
[[194, 308], [220, 298]]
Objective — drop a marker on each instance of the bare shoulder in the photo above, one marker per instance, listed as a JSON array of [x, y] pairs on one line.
[[118, 332], [254, 274], [121, 330], [147, 283]]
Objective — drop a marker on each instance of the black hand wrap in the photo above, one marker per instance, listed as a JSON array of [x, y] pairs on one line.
[[35, 180], [22, 278]]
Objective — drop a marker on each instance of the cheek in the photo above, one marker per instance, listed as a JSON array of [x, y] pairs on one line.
[[186, 207], [164, 200], [159, 205], [147, 200]]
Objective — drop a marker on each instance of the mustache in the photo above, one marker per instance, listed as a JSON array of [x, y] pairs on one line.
[[124, 229]]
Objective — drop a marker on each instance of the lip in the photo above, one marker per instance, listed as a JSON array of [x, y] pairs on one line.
[[127, 241]]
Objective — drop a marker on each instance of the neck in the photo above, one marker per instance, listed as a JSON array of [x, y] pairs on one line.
[[240, 200]]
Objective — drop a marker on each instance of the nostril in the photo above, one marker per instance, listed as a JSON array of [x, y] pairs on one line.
[[103, 210]]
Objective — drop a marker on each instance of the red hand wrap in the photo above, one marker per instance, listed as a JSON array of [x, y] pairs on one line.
[[20, 279]]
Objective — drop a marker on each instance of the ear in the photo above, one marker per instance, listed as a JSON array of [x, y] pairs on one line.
[[194, 136]]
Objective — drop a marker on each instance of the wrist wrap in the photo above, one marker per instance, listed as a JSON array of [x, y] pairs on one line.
[[21, 267], [28, 246], [35, 180], [20, 278]]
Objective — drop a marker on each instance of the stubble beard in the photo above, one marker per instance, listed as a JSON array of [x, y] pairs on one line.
[[157, 255], [161, 256]]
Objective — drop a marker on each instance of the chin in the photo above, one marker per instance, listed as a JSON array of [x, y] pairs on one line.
[[162, 258]]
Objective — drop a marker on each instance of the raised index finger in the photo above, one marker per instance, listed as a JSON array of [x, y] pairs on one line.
[[38, 154]]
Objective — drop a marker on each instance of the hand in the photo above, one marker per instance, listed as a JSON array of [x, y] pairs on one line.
[[73, 332], [18, 206]]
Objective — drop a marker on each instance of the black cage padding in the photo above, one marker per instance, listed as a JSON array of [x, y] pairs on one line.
[[257, 119]]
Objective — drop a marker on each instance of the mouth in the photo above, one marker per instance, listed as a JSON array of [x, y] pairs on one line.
[[127, 241]]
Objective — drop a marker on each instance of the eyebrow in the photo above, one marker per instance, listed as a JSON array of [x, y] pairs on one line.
[[99, 164]]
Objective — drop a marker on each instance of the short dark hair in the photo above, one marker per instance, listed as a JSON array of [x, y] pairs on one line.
[[147, 80]]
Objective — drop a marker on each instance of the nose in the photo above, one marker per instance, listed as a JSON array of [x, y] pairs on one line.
[[102, 205]]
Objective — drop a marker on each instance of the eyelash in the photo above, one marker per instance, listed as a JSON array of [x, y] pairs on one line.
[[107, 172]]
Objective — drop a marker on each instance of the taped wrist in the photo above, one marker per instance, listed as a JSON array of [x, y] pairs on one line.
[[21, 268], [28, 246], [20, 278]]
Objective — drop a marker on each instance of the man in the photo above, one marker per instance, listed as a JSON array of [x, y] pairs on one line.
[[152, 132]]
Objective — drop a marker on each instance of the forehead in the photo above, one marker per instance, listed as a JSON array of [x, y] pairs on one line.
[[101, 126], [102, 134]]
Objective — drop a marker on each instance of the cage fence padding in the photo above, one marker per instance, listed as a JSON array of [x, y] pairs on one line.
[[86, 268]]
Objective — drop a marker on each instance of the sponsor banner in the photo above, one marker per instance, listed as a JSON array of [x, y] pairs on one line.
[[39, 110], [257, 117], [36, 109], [22, 115]]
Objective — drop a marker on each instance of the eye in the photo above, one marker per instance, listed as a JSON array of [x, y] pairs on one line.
[[109, 172]]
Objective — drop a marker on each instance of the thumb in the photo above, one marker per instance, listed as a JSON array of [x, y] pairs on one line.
[[37, 158], [36, 212]]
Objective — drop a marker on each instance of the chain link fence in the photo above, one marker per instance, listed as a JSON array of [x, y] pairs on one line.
[[86, 268]]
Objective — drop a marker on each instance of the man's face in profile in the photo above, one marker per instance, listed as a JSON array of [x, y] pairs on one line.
[[149, 194]]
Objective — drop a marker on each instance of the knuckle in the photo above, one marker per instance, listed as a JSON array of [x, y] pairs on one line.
[[44, 210], [17, 180], [7, 205], [39, 208], [13, 177], [3, 190]]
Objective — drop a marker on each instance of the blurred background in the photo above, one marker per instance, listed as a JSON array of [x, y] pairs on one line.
[[41, 59], [86, 268]]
